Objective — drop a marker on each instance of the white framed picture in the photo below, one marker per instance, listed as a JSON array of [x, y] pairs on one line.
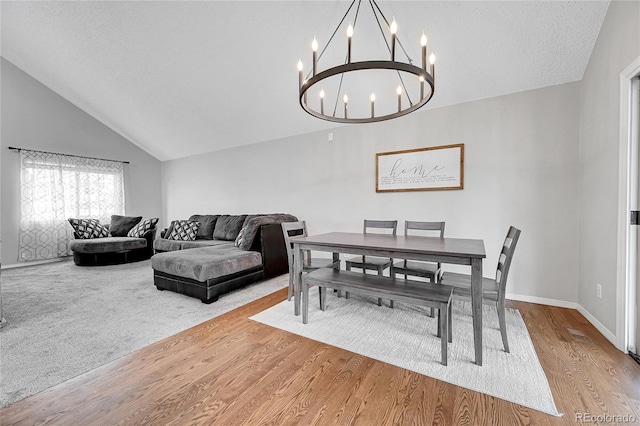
[[423, 169]]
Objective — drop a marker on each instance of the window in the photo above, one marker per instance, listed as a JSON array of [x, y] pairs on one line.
[[55, 187]]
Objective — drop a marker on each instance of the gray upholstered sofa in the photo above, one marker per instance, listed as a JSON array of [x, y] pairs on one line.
[[229, 252]]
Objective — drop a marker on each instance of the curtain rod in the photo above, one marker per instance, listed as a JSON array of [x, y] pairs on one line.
[[67, 155]]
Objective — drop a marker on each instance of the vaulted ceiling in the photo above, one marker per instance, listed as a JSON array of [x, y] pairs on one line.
[[183, 78]]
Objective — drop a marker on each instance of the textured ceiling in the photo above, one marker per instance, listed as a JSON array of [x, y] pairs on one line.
[[182, 78]]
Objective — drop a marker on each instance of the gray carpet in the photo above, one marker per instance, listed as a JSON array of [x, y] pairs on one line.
[[64, 320], [406, 337]]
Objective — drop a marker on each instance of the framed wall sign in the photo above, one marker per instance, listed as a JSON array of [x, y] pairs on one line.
[[422, 169]]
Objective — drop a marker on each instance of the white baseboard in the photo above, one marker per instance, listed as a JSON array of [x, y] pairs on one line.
[[571, 305], [601, 328], [36, 262], [542, 301]]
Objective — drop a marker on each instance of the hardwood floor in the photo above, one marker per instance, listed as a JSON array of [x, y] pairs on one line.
[[232, 370]]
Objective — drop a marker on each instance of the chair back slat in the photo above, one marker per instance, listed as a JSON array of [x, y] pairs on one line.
[[380, 224], [505, 258], [424, 226]]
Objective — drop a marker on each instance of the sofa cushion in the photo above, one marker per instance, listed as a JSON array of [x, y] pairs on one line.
[[252, 224], [205, 243], [88, 228], [183, 230], [206, 263], [142, 228], [107, 244], [228, 226], [163, 244], [121, 225], [207, 224]]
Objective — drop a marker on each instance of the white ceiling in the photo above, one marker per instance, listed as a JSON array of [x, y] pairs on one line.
[[183, 78]]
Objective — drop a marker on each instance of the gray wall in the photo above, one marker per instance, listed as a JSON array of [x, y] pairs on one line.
[[34, 117], [521, 168], [617, 46]]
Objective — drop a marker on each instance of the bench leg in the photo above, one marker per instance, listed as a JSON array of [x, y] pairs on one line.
[[444, 332], [346, 293], [305, 301], [392, 274], [323, 298], [379, 273], [450, 317], [431, 312]]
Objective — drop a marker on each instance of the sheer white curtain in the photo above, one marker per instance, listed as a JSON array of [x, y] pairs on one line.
[[55, 187]]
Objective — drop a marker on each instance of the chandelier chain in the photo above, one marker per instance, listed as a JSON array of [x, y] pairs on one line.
[[373, 2]]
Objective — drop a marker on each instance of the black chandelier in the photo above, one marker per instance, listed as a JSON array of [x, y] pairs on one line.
[[411, 78]]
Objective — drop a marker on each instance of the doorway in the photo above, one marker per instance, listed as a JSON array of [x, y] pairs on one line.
[[628, 298], [634, 219]]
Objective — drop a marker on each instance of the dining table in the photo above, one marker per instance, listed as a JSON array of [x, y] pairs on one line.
[[458, 251]]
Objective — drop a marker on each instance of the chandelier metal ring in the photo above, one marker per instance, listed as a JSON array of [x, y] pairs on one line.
[[360, 66]]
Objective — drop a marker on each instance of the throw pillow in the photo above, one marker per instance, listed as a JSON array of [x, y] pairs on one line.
[[121, 225], [207, 224], [141, 228], [252, 225], [183, 230], [228, 227], [88, 228]]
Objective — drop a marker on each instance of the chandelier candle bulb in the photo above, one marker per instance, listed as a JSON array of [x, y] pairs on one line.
[[349, 36], [373, 101], [432, 61], [346, 100], [314, 48], [423, 43], [394, 30]]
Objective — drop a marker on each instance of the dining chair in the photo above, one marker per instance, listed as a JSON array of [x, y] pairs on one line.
[[493, 289], [416, 268], [373, 263], [430, 270], [291, 229]]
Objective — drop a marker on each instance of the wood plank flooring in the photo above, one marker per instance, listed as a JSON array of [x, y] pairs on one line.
[[233, 371]]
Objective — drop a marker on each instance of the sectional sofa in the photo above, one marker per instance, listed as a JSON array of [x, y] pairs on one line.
[[228, 252]]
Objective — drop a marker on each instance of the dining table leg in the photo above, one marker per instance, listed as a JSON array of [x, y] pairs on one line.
[[476, 306], [297, 277]]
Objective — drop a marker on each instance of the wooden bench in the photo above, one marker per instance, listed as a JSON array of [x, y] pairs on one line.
[[436, 296]]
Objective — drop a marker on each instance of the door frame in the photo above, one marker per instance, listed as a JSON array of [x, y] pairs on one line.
[[625, 298]]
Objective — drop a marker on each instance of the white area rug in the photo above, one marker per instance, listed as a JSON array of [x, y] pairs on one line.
[[406, 337], [64, 320]]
